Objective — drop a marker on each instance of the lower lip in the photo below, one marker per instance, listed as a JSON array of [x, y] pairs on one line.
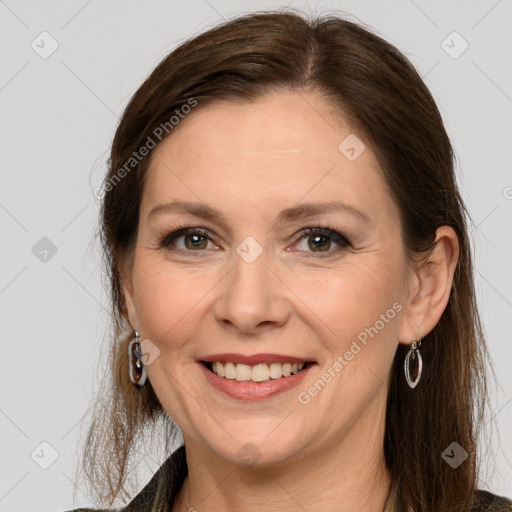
[[250, 390]]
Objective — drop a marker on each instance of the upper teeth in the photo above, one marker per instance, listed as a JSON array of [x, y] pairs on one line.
[[257, 373]]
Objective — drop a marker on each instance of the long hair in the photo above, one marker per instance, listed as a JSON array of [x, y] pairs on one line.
[[380, 93]]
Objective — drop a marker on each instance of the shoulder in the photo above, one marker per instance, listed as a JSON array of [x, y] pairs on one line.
[[160, 491], [96, 510], [487, 501]]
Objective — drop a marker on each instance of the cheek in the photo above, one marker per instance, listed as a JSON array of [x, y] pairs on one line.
[[167, 302], [362, 310], [354, 299]]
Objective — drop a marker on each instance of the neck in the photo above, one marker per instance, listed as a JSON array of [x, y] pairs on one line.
[[340, 477], [286, 490]]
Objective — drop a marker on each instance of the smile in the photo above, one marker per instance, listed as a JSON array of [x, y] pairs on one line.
[[256, 373], [256, 376]]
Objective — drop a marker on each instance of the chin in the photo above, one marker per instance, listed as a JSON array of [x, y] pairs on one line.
[[257, 448]]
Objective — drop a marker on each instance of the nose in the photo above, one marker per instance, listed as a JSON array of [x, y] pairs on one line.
[[253, 297]]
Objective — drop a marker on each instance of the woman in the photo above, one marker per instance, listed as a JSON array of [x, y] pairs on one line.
[[291, 281]]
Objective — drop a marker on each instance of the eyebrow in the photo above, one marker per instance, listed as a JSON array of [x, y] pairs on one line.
[[301, 211]]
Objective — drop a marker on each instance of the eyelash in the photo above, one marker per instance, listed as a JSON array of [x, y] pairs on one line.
[[171, 234]]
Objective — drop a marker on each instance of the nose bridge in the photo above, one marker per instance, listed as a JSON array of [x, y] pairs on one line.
[[252, 295]]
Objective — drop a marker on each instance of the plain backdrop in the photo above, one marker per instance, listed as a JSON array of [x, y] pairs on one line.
[[58, 115]]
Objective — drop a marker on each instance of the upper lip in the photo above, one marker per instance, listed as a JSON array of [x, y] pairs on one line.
[[253, 359]]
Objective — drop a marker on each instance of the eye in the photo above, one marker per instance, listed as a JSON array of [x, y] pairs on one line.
[[194, 239], [319, 240]]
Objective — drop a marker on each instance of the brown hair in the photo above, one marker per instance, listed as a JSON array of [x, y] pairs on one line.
[[371, 83]]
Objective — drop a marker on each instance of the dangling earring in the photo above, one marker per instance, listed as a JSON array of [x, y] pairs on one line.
[[136, 369], [414, 352]]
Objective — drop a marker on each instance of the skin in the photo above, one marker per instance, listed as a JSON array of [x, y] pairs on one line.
[[250, 161]]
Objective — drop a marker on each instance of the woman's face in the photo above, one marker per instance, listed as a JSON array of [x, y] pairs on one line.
[[248, 290]]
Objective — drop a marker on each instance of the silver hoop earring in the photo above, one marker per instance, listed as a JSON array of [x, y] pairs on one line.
[[414, 353], [136, 369]]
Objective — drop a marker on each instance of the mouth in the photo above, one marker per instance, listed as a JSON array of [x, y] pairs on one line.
[[262, 372], [254, 377]]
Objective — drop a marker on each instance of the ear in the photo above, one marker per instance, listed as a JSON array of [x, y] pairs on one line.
[[129, 298], [430, 285]]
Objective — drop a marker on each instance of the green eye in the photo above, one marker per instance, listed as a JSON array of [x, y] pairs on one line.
[[319, 240], [194, 239]]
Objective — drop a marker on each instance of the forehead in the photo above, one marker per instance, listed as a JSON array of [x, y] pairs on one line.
[[277, 150]]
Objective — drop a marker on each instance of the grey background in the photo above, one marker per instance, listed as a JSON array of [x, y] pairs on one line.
[[58, 116]]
